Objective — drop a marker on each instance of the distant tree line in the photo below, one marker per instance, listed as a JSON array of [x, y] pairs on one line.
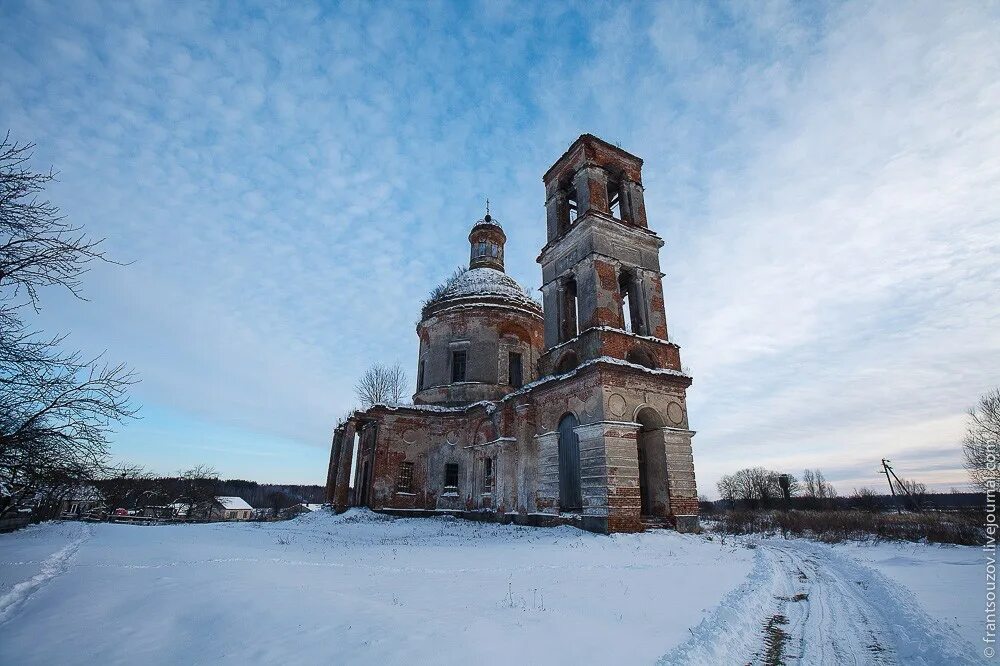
[[760, 488], [132, 488]]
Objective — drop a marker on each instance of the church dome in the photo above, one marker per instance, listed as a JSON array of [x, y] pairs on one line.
[[480, 332], [477, 282]]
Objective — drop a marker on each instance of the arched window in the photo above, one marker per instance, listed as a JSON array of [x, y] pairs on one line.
[[569, 312], [487, 475]]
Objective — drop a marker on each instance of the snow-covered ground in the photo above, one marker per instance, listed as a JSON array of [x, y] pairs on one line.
[[363, 588]]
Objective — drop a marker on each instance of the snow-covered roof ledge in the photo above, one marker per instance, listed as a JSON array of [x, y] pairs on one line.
[[491, 405]]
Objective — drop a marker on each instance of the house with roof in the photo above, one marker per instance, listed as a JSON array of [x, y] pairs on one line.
[[79, 501], [230, 508]]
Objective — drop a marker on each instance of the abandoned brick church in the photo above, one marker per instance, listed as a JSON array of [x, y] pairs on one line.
[[569, 413]]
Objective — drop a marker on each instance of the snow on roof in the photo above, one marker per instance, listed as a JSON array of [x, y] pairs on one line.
[[527, 388], [233, 503], [486, 282]]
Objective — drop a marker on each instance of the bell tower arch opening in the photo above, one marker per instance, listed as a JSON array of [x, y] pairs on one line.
[[651, 451], [630, 290], [569, 310]]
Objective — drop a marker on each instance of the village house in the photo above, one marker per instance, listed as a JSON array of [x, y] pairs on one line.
[[80, 501], [230, 508], [569, 411]]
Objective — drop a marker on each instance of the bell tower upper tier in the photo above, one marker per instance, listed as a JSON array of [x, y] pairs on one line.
[[595, 176], [601, 279]]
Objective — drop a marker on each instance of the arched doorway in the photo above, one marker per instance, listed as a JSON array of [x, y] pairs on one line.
[[570, 496], [652, 454]]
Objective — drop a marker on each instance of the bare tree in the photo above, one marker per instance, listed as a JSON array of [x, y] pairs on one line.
[[56, 408], [199, 486], [278, 500], [755, 486], [865, 499], [381, 384], [127, 486], [815, 485], [982, 441], [38, 247]]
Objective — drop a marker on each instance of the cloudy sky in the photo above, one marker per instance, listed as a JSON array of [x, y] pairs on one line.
[[289, 180]]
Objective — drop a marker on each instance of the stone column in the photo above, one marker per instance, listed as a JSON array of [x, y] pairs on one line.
[[336, 449], [547, 492], [555, 213], [586, 294], [632, 201], [680, 477], [341, 495], [610, 469], [591, 185]]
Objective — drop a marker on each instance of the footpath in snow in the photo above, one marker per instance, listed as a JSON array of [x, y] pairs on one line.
[[364, 588], [813, 603]]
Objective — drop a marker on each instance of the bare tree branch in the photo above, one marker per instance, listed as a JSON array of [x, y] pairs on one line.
[[381, 384], [982, 441], [57, 408]]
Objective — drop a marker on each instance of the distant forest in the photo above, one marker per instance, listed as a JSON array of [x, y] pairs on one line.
[[136, 493]]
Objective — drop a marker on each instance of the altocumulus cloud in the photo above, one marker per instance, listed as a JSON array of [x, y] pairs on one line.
[[290, 182]]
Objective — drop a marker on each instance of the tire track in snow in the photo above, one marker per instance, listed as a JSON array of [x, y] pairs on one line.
[[54, 565], [803, 603]]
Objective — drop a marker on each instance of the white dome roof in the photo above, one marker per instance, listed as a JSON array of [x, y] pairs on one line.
[[486, 282]]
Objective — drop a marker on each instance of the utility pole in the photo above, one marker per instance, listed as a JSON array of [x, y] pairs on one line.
[[885, 468]]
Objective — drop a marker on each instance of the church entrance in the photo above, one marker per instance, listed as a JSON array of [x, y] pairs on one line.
[[570, 495], [654, 494]]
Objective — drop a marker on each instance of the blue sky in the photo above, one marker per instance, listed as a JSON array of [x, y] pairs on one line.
[[289, 181]]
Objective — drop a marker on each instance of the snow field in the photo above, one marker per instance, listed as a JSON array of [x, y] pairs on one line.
[[362, 588]]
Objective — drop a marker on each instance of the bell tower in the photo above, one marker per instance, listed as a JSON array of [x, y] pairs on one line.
[[617, 446], [601, 279]]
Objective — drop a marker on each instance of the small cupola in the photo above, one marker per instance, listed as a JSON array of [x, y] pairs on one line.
[[487, 239]]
